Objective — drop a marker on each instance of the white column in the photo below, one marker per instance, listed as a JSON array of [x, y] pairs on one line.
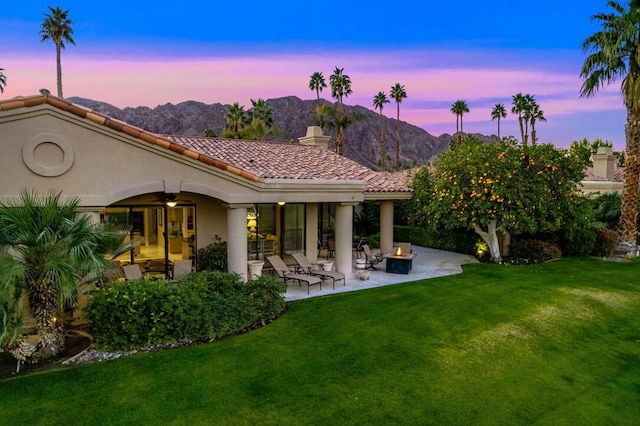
[[344, 237], [311, 237], [237, 239], [386, 226], [92, 212]]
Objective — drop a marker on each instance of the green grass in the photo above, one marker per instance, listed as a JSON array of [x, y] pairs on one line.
[[552, 344]]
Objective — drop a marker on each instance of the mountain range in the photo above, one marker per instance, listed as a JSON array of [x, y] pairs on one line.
[[291, 116]]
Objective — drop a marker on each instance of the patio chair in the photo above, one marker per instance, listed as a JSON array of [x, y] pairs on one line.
[[307, 267], [371, 258], [181, 268], [132, 272], [331, 251], [285, 273]]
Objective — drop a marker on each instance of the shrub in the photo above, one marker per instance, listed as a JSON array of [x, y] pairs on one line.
[[578, 241], [606, 241], [201, 307], [534, 251], [457, 240], [213, 257]]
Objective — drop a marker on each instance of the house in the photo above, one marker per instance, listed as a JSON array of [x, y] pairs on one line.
[[604, 176], [179, 193]]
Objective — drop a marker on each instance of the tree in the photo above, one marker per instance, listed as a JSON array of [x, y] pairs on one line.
[[519, 108], [459, 107], [378, 102], [236, 119], [47, 248], [261, 117], [535, 114], [614, 54], [498, 112], [498, 186], [317, 83], [340, 88], [398, 93], [583, 150], [57, 27], [3, 80]]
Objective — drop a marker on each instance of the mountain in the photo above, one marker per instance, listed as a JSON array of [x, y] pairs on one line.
[[291, 116]]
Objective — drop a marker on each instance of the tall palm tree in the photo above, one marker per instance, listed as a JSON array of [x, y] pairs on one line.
[[519, 107], [398, 94], [378, 103], [317, 83], [498, 112], [614, 54], [57, 27], [535, 114], [459, 107], [236, 119], [3, 80], [340, 88], [47, 249]]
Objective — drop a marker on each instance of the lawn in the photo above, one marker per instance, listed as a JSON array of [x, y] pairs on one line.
[[557, 343]]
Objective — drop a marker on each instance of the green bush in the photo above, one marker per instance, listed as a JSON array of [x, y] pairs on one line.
[[213, 257], [578, 241], [456, 240], [606, 241], [201, 307], [534, 251]]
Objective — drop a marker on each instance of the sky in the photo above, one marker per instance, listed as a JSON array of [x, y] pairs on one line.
[[149, 53]]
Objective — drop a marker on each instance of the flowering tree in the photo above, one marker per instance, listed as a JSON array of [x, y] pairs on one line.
[[498, 186]]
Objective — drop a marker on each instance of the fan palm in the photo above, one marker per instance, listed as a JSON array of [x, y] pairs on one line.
[[57, 27], [497, 113], [3, 80], [398, 94], [519, 107], [340, 88], [261, 116], [378, 103], [46, 250], [236, 119], [317, 83], [614, 54], [459, 107], [535, 114]]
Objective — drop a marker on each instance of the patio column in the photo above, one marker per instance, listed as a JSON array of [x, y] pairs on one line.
[[311, 239], [92, 212], [344, 237], [386, 226], [237, 238]]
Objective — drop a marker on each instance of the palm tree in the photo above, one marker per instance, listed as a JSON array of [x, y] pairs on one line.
[[3, 80], [535, 114], [378, 103], [47, 249], [57, 27], [614, 53], [236, 119], [519, 108], [498, 112], [398, 94], [261, 116], [340, 88], [459, 107], [317, 83]]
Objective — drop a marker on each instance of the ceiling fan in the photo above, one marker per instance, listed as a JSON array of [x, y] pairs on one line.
[[172, 200]]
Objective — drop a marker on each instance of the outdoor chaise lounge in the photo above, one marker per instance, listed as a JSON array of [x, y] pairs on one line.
[[372, 259], [285, 273], [307, 267], [181, 268], [132, 272]]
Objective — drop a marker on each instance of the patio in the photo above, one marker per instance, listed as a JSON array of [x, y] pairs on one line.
[[429, 263]]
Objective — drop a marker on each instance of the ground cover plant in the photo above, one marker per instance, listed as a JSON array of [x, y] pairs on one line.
[[553, 343]]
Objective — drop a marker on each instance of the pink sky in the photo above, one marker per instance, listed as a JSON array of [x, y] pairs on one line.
[[431, 89]]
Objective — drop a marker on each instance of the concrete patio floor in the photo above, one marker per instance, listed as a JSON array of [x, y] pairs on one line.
[[429, 263]]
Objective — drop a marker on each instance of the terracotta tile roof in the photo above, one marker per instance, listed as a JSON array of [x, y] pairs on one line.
[[253, 160], [618, 175], [276, 160]]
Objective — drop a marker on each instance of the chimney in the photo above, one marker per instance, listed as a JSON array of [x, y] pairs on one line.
[[315, 137], [604, 163]]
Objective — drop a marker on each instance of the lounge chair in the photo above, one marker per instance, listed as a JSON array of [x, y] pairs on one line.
[[307, 267], [132, 272], [181, 268], [372, 259], [285, 273]]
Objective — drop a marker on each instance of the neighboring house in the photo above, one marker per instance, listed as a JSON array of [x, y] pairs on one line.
[[181, 193], [604, 176]]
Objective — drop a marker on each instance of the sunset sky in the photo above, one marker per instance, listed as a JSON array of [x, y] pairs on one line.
[[143, 53]]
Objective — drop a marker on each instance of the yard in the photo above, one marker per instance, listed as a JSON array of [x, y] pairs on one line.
[[556, 343]]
